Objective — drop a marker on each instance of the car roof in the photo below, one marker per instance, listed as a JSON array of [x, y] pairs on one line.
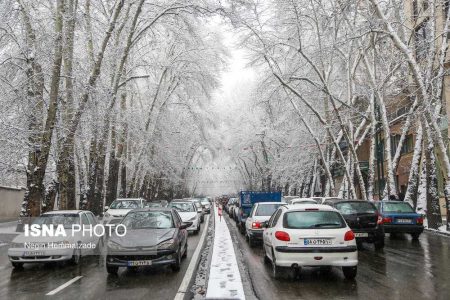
[[306, 207], [263, 203], [153, 209], [350, 200], [73, 211]]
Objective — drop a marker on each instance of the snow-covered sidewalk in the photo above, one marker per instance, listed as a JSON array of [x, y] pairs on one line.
[[224, 277]]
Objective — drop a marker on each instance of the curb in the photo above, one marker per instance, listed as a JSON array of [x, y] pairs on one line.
[[438, 232]]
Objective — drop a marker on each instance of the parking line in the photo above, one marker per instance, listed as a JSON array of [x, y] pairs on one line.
[[63, 286], [192, 265]]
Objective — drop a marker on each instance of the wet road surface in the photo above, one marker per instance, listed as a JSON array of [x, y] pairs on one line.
[[34, 281], [405, 269]]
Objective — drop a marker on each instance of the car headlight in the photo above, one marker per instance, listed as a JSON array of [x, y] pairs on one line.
[[114, 246], [107, 215], [166, 244], [193, 218], [17, 245]]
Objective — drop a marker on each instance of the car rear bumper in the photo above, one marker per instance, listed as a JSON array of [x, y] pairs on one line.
[[255, 234], [403, 228], [372, 234], [316, 256], [48, 255]]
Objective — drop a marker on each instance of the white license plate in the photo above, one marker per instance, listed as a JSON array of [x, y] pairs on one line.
[[317, 242], [404, 221], [138, 263], [33, 253], [361, 234]]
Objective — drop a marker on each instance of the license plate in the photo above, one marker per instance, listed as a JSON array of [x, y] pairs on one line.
[[33, 253], [361, 234], [138, 263], [317, 242], [404, 221]]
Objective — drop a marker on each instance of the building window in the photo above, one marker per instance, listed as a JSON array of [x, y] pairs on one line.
[[408, 144]]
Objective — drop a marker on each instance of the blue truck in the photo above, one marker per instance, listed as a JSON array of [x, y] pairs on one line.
[[246, 201]]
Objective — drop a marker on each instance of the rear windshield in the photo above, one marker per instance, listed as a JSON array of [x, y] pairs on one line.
[[361, 207], [266, 209], [399, 207], [313, 219]]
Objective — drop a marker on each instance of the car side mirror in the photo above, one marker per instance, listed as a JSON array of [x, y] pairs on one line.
[[106, 208], [185, 225]]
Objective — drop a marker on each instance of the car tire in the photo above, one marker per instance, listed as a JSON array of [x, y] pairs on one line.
[[350, 272], [76, 257], [185, 251], [415, 236], [112, 269], [379, 244], [17, 265], [277, 271], [266, 259], [177, 265]]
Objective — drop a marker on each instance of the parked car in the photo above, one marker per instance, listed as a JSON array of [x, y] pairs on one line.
[[245, 204], [303, 201], [199, 207], [309, 235], [153, 237], [188, 213], [400, 217], [321, 200], [120, 207], [363, 218], [30, 249], [261, 212]]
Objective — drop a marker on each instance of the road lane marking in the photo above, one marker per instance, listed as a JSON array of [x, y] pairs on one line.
[[63, 286], [192, 265]]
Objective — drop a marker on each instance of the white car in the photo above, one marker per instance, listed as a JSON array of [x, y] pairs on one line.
[[309, 235], [259, 214], [321, 200], [304, 201], [120, 207], [188, 213], [56, 248]]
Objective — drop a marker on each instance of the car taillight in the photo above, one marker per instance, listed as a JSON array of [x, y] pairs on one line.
[[256, 225], [387, 220], [349, 236], [282, 236], [380, 220], [419, 220]]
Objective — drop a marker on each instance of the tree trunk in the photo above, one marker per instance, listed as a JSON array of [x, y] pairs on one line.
[[414, 172]]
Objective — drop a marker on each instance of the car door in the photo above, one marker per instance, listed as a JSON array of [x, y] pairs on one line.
[[248, 222], [182, 233], [268, 232]]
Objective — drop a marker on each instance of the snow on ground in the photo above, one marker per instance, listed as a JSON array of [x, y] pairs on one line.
[[224, 277]]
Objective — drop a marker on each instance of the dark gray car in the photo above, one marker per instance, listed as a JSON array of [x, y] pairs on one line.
[[153, 236]]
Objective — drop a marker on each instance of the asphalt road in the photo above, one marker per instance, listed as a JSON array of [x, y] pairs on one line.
[[35, 281], [405, 270]]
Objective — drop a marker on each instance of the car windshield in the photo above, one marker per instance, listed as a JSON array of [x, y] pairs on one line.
[[125, 204], [148, 220], [313, 219], [205, 201], [67, 220], [266, 209], [182, 206], [399, 207], [360, 207]]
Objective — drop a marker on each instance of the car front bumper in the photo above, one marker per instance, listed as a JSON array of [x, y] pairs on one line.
[[403, 228], [194, 225], [316, 256], [157, 258], [42, 255]]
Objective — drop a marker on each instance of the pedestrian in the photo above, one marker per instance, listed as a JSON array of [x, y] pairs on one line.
[[219, 211]]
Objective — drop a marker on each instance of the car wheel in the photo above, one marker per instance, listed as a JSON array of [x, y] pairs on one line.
[[415, 236], [350, 272], [266, 259], [276, 270], [185, 251], [17, 265], [379, 244], [359, 245], [76, 257], [177, 265], [112, 269]]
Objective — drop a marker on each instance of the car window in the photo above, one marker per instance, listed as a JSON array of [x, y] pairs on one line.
[[360, 207], [276, 217], [398, 207], [253, 210], [176, 219], [125, 204], [266, 209], [148, 220], [313, 219], [91, 218], [84, 219]]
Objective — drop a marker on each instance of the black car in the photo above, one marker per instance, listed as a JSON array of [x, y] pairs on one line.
[[363, 218], [153, 236]]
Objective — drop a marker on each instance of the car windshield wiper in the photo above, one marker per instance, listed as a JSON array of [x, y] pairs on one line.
[[325, 224]]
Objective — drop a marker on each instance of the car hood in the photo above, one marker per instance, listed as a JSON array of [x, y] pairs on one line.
[[21, 238], [118, 212], [186, 216], [143, 237]]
